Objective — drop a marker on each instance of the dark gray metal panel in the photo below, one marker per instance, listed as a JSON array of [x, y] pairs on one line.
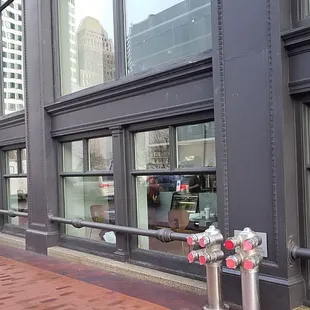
[[41, 150], [255, 155], [192, 95]]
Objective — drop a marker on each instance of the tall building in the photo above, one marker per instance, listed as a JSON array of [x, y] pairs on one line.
[[12, 55], [95, 53], [68, 21], [178, 31]]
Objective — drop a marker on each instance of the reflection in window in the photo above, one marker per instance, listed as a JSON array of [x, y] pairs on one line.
[[163, 31], [73, 156], [86, 44], [16, 185], [152, 149], [100, 153], [304, 9], [184, 203], [12, 58], [196, 145], [91, 196]]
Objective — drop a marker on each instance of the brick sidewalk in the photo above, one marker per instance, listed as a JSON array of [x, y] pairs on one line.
[[27, 287]]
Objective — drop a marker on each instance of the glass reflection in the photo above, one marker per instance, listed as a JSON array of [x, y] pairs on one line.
[[100, 154], [73, 156], [18, 199], [12, 57], [90, 198], [86, 43], [196, 145], [184, 203], [152, 149], [162, 31], [11, 162]]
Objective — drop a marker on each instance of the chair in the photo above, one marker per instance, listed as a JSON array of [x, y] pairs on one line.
[[178, 220]]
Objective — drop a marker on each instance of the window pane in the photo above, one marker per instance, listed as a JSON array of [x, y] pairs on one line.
[[162, 31], [24, 160], [73, 156], [12, 58], [18, 199], [90, 198], [152, 149], [184, 203], [304, 9], [196, 145], [86, 43], [100, 154], [11, 162]]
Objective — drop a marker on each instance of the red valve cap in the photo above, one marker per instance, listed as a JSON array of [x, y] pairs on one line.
[[247, 245], [202, 260], [229, 244], [248, 264], [190, 240], [231, 263], [202, 243], [191, 257]]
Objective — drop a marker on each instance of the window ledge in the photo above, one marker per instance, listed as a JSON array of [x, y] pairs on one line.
[[12, 120], [132, 85], [297, 41]]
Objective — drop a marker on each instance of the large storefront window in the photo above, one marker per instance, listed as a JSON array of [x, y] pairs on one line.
[[86, 37], [88, 186], [163, 31], [16, 184], [183, 197], [12, 58]]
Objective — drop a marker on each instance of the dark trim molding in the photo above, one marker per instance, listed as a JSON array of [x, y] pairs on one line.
[[12, 120], [297, 41], [299, 87], [132, 85], [191, 107]]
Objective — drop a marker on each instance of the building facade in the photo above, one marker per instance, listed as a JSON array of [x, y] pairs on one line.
[[130, 113]]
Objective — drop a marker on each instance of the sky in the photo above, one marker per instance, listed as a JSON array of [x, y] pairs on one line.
[[137, 10]]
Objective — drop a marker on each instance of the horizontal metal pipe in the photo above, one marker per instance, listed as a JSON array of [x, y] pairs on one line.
[[301, 253], [164, 235], [12, 213]]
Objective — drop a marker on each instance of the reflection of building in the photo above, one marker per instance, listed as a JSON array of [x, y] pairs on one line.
[[95, 53], [178, 31], [67, 38], [12, 57]]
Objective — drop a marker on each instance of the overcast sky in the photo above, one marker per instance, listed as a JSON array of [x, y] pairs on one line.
[[137, 10]]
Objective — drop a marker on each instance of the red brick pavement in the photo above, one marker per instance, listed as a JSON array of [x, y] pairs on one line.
[[27, 287]]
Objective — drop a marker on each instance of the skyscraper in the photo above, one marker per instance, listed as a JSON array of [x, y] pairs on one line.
[[12, 58], [95, 53]]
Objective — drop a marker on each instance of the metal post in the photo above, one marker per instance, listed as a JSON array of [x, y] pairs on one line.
[[210, 255], [250, 289], [248, 257], [214, 287]]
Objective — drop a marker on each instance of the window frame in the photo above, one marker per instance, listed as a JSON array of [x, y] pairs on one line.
[[159, 260], [100, 248], [9, 228]]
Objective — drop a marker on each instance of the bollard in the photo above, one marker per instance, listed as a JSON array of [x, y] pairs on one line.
[[210, 255], [249, 258]]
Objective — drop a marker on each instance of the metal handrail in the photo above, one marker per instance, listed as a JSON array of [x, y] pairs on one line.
[[12, 213], [163, 234], [298, 252]]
